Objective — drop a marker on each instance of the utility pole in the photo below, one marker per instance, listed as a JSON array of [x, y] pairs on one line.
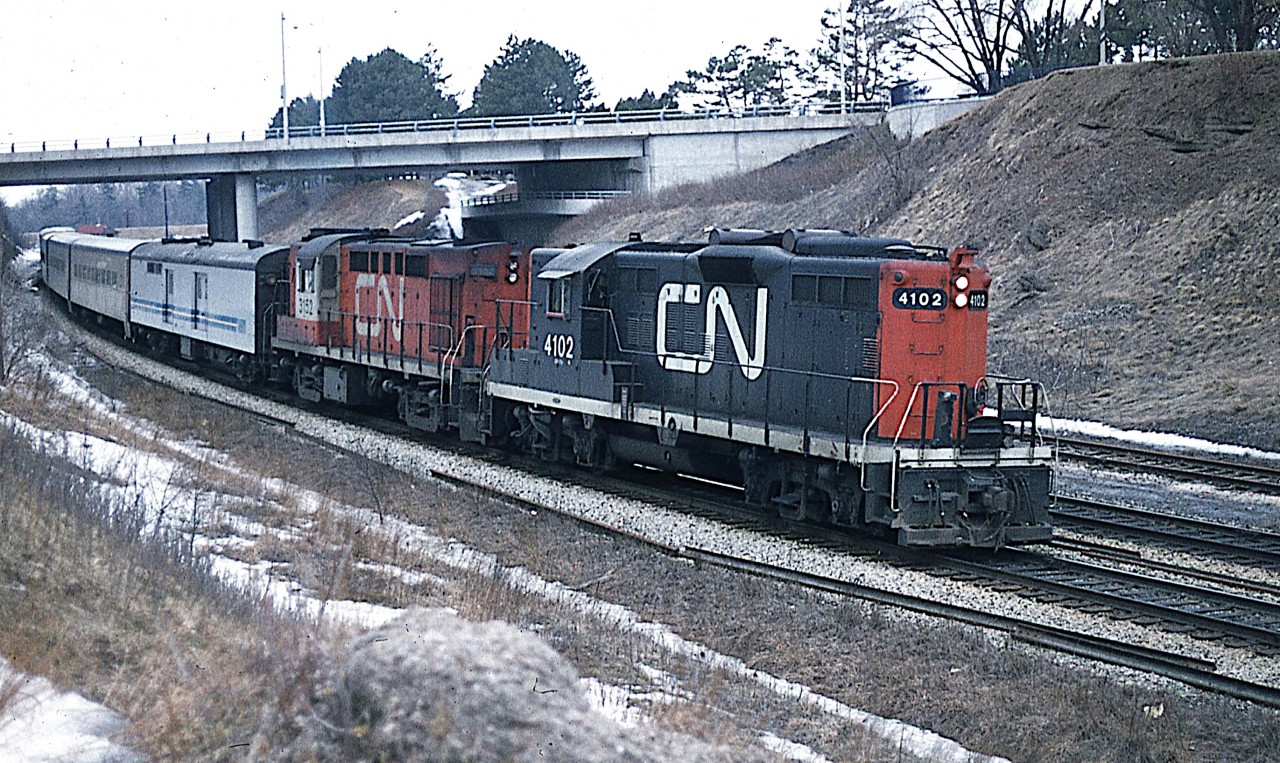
[[284, 84]]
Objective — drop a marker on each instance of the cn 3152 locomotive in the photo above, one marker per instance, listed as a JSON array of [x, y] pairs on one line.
[[836, 378]]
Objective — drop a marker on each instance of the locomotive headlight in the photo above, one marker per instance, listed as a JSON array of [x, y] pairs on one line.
[[962, 300], [962, 283], [512, 277], [513, 265]]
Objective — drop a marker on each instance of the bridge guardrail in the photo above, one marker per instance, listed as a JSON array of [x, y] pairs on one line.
[[510, 198], [454, 124]]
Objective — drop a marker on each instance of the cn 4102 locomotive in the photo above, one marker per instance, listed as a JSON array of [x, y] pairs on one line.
[[836, 378]]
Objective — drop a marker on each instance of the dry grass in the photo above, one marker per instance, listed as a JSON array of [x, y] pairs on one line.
[[132, 621]]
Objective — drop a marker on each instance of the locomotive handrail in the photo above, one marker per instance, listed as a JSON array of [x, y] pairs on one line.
[[897, 453], [1035, 435], [511, 320], [356, 345], [768, 371], [1041, 394], [1052, 441], [452, 355], [924, 413]]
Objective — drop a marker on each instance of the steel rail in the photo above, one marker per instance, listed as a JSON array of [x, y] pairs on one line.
[[1188, 670], [1227, 542], [1136, 559], [1235, 474], [1177, 604]]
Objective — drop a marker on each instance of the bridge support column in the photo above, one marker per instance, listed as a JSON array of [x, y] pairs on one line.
[[231, 205]]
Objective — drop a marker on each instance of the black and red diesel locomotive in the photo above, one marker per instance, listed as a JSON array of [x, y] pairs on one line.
[[837, 378]]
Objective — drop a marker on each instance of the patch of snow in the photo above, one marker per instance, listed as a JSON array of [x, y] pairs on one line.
[[148, 483], [613, 702], [1162, 440], [458, 188], [257, 582], [791, 750], [410, 219], [40, 723]]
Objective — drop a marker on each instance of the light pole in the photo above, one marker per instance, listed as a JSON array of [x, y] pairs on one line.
[[1102, 33], [844, 85], [284, 84], [320, 53]]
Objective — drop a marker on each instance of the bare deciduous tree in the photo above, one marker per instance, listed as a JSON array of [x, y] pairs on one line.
[[969, 40]]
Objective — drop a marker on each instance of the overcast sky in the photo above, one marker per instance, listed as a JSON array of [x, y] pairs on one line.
[[92, 69]]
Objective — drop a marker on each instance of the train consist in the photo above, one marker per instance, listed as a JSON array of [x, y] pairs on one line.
[[836, 378]]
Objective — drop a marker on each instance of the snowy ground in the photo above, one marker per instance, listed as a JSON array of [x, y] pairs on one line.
[[40, 724], [43, 724], [150, 480]]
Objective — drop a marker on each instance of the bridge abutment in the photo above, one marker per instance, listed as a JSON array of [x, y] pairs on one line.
[[231, 207]]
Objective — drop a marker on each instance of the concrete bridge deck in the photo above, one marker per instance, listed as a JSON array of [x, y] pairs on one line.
[[635, 152]]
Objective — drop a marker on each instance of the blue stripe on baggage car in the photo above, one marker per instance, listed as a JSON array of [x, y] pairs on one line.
[[225, 322]]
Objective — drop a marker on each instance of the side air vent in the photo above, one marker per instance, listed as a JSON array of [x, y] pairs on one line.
[[871, 357]]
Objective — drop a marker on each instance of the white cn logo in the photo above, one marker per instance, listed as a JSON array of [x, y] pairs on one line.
[[384, 299], [751, 362]]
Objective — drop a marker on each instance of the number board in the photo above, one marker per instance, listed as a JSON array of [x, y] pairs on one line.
[[919, 298], [559, 346], [978, 300]]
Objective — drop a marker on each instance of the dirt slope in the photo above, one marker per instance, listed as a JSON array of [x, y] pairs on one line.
[[1131, 217], [290, 213]]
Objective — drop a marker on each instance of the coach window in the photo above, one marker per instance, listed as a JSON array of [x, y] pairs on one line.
[[359, 262], [558, 296]]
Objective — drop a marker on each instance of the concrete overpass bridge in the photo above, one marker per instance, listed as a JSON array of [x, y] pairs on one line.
[[562, 162]]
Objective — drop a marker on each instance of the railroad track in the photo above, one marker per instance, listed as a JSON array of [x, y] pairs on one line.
[[1189, 670], [1246, 475], [1237, 621], [1204, 539], [1205, 614], [1231, 620]]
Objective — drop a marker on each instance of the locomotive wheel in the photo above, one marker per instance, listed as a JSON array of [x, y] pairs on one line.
[[804, 503]]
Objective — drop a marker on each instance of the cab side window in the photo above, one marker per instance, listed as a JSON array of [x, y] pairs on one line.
[[558, 295]]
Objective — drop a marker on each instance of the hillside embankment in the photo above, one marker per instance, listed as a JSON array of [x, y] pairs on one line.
[[1130, 216], [288, 214]]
